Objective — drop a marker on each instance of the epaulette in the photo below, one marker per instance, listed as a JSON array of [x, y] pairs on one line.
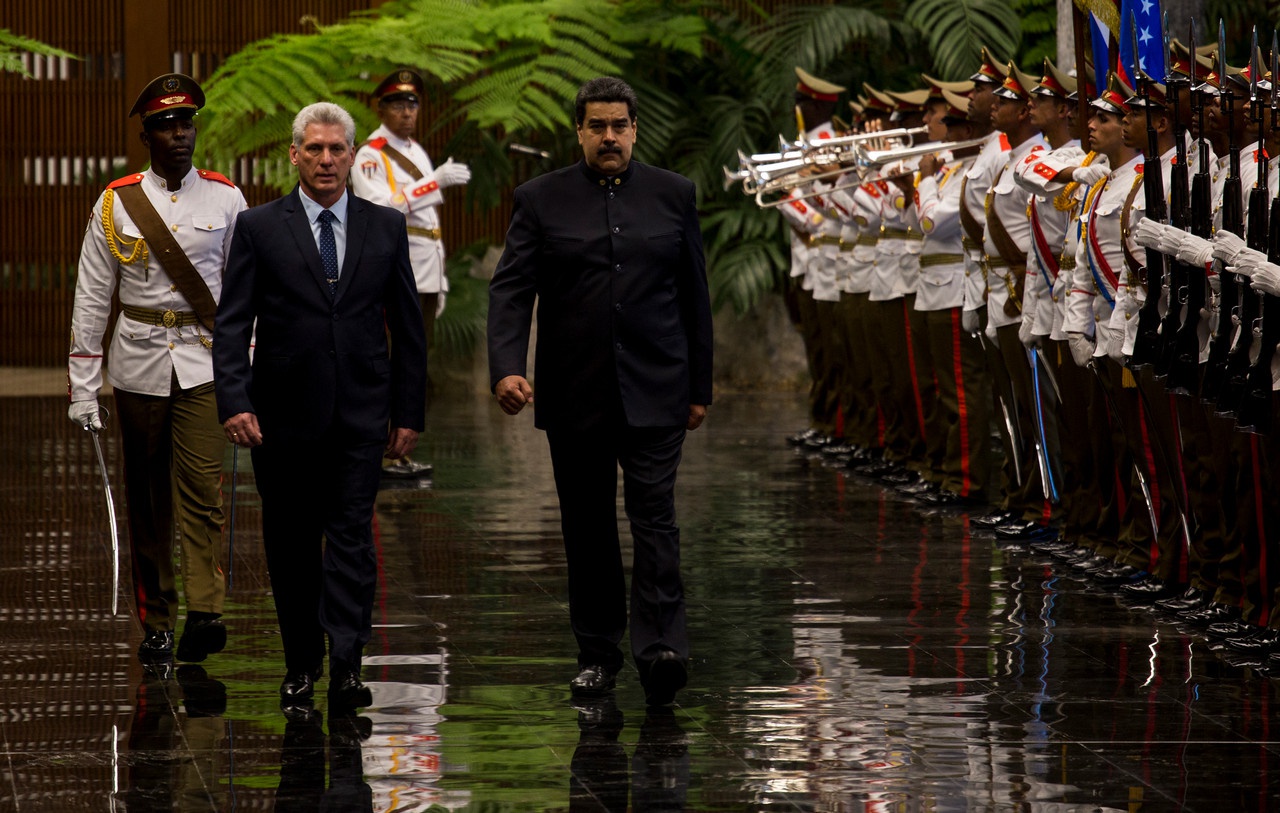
[[1005, 146], [377, 143], [128, 180], [210, 175]]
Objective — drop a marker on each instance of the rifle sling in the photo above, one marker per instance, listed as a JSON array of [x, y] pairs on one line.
[[168, 253]]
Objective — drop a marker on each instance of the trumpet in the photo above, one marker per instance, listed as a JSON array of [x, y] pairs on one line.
[[867, 161], [908, 133]]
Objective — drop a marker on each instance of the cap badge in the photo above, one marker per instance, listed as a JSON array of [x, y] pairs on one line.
[[171, 84]]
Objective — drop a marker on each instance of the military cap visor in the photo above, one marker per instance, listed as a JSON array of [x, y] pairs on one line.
[[168, 96], [815, 88], [401, 85], [989, 71], [1114, 98]]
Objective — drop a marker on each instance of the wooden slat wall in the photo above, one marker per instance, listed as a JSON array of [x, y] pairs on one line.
[[67, 134]]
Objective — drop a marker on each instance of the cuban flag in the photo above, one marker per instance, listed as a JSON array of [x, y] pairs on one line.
[[1145, 14], [1101, 39]]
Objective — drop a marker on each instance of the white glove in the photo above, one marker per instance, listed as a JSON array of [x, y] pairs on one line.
[[1025, 336], [1194, 250], [1090, 175], [85, 414], [1148, 233], [1245, 265], [970, 321], [440, 297], [1226, 246], [1081, 349], [451, 174], [1266, 279], [1169, 241]]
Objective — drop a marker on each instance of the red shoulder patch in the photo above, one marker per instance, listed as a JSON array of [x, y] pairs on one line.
[[378, 143], [128, 180], [1005, 146], [210, 175], [1045, 171]]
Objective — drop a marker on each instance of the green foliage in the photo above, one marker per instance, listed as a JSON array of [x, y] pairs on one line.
[[955, 30], [712, 80], [13, 46], [1039, 20]]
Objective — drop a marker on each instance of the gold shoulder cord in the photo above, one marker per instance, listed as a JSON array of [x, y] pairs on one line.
[[1063, 202], [138, 254]]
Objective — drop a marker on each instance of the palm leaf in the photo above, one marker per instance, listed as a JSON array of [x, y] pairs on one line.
[[955, 30]]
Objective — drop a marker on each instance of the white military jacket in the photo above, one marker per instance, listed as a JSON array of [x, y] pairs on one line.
[[942, 256], [1043, 299], [379, 178], [1008, 202], [145, 357]]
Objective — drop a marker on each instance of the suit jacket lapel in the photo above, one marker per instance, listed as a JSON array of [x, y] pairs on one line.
[[357, 221], [296, 221]]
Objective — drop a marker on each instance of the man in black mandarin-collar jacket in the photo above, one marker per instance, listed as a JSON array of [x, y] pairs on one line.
[[611, 250], [325, 395]]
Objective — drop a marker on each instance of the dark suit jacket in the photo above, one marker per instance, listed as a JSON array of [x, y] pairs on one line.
[[617, 268], [321, 363]]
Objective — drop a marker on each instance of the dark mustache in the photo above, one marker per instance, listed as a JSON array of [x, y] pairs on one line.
[[609, 151]]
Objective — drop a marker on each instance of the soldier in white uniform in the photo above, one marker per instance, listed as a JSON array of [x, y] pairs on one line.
[[161, 367], [1054, 209], [392, 169], [1007, 244], [964, 411]]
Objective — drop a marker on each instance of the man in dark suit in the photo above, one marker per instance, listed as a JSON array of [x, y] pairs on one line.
[[611, 250], [327, 276]]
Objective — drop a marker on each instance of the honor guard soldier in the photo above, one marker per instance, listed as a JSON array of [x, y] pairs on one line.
[[813, 292], [159, 239], [392, 169], [958, 363]]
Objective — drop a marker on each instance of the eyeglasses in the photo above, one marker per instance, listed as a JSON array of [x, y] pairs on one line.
[[401, 107]]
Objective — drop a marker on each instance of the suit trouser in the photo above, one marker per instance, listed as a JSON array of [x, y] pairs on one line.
[[586, 462], [317, 530], [814, 353], [1090, 501], [173, 447], [924, 391], [892, 382], [831, 358], [963, 416], [861, 418], [1169, 554]]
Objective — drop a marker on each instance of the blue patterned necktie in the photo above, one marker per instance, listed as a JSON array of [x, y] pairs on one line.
[[328, 250]]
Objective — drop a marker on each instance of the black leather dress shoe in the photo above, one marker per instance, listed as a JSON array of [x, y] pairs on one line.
[[346, 691], [156, 646], [916, 489], [900, 477], [993, 519], [1263, 641], [667, 675], [1148, 590], [944, 498], [592, 681], [800, 437], [837, 448], [298, 686], [1116, 575], [1213, 613], [202, 636], [1234, 628], [1192, 599], [1019, 529]]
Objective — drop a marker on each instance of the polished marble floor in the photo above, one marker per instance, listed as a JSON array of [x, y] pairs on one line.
[[851, 653]]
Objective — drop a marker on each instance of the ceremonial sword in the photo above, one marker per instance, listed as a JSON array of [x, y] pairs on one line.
[[111, 519]]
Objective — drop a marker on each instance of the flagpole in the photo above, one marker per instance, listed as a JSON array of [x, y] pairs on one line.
[[1082, 76]]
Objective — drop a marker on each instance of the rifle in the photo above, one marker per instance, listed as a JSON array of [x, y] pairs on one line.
[[1147, 343], [1180, 273], [1215, 376], [1256, 238], [1184, 372], [1254, 414]]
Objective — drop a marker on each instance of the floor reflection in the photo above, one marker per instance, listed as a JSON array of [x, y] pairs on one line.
[[851, 652]]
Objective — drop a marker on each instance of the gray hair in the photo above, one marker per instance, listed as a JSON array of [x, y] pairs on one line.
[[323, 113]]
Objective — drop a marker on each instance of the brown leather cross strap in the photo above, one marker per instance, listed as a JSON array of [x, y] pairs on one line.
[[401, 159], [169, 254], [1137, 269], [971, 225], [1011, 254]]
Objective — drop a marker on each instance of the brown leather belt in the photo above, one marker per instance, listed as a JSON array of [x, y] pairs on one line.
[[434, 234], [165, 318]]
